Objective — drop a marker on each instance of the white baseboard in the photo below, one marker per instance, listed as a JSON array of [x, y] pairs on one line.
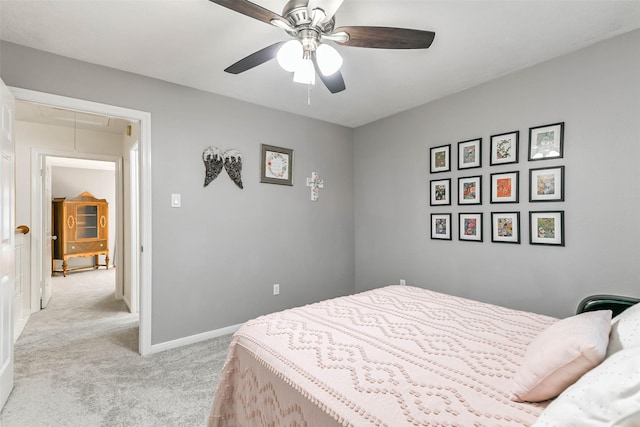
[[157, 348], [18, 327]]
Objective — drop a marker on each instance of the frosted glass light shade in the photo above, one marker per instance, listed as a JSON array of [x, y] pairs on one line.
[[289, 55], [305, 73], [329, 60]]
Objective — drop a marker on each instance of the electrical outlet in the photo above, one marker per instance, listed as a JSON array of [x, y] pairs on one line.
[[276, 289], [403, 282]]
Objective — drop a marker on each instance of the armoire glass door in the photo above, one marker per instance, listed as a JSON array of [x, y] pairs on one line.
[[87, 222]]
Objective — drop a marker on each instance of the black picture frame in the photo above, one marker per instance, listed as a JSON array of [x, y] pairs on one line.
[[505, 187], [470, 226], [470, 154], [470, 190], [505, 227], [546, 228], [504, 148], [546, 142], [440, 159], [440, 192], [441, 226], [546, 184]]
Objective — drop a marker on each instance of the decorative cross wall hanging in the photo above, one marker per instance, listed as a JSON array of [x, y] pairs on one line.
[[316, 184]]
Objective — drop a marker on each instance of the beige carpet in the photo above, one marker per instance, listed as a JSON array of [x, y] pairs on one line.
[[77, 364]]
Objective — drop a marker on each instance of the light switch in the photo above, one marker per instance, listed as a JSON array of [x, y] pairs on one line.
[[176, 201]]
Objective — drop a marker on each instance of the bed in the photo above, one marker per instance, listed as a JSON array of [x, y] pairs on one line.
[[407, 356]]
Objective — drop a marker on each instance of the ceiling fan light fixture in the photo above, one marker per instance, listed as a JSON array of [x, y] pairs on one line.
[[329, 60], [305, 73], [312, 23], [317, 15], [338, 37], [283, 25], [289, 55]]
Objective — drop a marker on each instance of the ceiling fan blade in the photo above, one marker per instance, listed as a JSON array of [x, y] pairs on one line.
[[328, 6], [386, 37], [255, 59], [334, 82], [252, 10]]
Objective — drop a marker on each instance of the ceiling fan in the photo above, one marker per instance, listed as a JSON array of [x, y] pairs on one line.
[[311, 24]]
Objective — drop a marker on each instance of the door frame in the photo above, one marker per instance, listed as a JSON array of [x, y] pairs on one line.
[[134, 236], [144, 255], [40, 204]]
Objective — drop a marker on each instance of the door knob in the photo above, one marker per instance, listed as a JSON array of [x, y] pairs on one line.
[[53, 237]]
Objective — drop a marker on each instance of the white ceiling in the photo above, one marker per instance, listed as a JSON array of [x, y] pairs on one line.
[[191, 42]]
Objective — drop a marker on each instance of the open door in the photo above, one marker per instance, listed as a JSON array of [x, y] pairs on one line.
[[7, 242], [132, 291], [47, 226]]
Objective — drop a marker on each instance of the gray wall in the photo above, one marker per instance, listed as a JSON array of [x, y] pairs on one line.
[[215, 260], [596, 92]]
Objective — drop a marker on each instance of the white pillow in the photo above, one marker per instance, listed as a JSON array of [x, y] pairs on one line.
[[625, 330], [608, 395], [561, 354]]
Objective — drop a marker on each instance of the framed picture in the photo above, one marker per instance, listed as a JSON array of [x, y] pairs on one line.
[[440, 159], [546, 184], [546, 142], [504, 187], [504, 148], [505, 227], [470, 227], [440, 192], [441, 226], [546, 228], [470, 190], [276, 165], [470, 154]]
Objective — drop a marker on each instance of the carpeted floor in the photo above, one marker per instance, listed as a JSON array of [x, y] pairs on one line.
[[77, 364]]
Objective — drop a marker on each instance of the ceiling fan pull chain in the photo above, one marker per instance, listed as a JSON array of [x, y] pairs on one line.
[[309, 94]]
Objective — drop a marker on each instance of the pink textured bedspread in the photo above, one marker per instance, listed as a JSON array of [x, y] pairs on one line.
[[394, 356]]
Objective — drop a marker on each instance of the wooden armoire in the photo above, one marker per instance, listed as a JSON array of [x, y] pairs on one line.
[[81, 225]]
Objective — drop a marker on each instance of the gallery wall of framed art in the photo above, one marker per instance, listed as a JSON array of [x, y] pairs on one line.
[[503, 181]]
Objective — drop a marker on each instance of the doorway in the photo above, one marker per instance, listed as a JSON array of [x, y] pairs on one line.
[[70, 177], [139, 256]]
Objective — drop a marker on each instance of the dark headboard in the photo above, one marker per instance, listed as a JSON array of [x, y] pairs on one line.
[[615, 303]]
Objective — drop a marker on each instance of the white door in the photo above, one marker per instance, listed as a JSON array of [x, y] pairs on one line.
[[7, 238], [18, 294], [47, 259], [132, 290]]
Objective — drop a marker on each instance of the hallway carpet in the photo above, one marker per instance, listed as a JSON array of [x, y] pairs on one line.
[[77, 364]]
